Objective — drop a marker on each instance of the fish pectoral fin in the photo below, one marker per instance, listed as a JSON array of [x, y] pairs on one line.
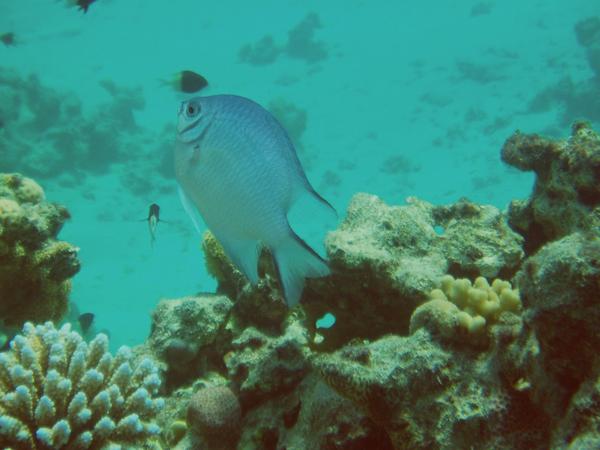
[[243, 254], [314, 194], [296, 260], [190, 209]]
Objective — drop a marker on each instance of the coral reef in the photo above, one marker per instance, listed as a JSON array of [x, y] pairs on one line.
[[301, 44], [575, 98], [45, 133], [395, 255], [263, 52], [419, 355], [566, 195], [392, 255], [587, 32], [35, 268], [59, 392]]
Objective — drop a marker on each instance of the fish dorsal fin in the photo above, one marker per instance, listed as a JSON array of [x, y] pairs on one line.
[[190, 209], [243, 253]]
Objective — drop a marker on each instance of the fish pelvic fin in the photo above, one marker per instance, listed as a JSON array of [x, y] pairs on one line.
[[295, 260], [190, 209]]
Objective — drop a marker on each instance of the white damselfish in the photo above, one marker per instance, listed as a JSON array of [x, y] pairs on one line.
[[237, 167]]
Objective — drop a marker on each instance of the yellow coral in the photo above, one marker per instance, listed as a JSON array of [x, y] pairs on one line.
[[479, 302], [461, 305]]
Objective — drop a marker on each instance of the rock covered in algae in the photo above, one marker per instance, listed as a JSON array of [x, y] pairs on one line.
[[566, 194], [58, 392], [312, 416], [262, 365], [428, 396], [35, 268], [386, 259], [560, 289], [184, 331]]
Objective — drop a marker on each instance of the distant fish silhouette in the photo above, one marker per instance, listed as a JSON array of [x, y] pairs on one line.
[[187, 81], [85, 321], [83, 5], [153, 219], [8, 39]]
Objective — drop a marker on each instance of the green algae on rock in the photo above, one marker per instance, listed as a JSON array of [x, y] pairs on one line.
[[35, 268]]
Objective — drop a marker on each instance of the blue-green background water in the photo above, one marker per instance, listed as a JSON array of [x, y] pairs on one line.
[[400, 99]]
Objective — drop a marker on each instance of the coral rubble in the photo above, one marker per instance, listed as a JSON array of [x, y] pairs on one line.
[[35, 268], [58, 392]]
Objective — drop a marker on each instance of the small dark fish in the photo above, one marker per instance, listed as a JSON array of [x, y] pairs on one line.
[[85, 321], [8, 39], [153, 219], [84, 5], [187, 81]]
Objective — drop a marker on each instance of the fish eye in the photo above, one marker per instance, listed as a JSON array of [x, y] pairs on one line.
[[192, 109]]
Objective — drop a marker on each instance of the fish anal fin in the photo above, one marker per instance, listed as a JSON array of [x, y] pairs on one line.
[[296, 260]]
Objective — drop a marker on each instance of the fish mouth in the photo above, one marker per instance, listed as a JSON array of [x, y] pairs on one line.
[[189, 126]]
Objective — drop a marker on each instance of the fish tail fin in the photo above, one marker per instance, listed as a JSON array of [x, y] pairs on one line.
[[295, 261]]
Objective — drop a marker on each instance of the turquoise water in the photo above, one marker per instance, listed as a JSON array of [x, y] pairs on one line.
[[400, 99]]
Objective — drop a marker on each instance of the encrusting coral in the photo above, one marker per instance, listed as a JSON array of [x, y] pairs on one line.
[[35, 268], [59, 392]]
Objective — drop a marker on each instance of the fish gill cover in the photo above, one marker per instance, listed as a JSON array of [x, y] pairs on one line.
[[458, 144]]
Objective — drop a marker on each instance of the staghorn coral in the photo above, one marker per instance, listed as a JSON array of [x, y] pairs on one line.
[[35, 268], [58, 392]]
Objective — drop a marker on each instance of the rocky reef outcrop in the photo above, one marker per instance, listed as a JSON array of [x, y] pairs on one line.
[[456, 326], [35, 267], [566, 194]]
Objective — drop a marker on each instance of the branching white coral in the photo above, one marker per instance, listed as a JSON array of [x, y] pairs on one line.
[[59, 392]]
